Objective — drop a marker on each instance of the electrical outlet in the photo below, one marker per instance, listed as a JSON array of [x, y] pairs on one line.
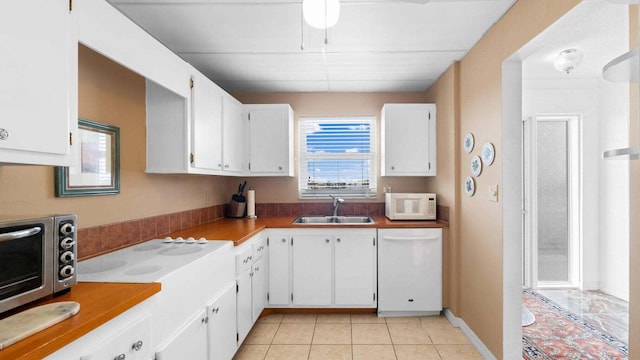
[[493, 193]]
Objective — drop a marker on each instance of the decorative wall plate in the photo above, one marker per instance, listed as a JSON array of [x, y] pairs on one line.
[[476, 165], [468, 143], [488, 153], [469, 186]]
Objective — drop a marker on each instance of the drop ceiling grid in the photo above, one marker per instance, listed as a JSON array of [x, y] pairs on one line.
[[385, 45]]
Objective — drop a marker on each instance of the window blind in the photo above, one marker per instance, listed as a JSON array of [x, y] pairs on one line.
[[338, 157]]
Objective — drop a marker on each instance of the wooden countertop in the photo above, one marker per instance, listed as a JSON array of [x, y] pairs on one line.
[[242, 229], [99, 303]]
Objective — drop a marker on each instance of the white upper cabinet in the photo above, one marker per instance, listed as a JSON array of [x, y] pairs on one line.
[[38, 82], [206, 122], [270, 140], [167, 131], [408, 140], [201, 134], [232, 135]]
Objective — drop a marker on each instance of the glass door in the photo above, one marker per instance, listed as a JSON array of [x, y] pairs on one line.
[[552, 201]]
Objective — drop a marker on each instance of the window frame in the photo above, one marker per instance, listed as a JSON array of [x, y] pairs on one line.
[[350, 192]]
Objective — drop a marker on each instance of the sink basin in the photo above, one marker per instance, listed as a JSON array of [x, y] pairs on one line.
[[333, 220]]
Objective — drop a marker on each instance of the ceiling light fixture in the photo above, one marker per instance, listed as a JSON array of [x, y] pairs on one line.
[[568, 60], [321, 14]]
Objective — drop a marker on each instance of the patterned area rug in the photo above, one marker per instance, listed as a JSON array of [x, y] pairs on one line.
[[559, 334]]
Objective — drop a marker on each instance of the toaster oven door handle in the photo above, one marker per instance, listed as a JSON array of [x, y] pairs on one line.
[[20, 234]]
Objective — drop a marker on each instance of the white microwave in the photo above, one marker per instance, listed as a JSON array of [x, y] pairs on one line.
[[410, 206]]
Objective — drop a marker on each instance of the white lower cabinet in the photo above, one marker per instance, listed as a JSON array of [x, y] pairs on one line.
[[244, 305], [311, 269], [354, 264], [221, 326], [250, 284], [322, 268], [278, 293], [132, 343], [189, 343], [258, 288]]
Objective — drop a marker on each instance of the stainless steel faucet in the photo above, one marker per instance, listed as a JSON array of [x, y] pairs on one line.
[[336, 204]]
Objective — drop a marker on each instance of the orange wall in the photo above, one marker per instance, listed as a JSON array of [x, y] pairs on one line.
[[475, 106], [285, 190], [445, 94], [110, 94]]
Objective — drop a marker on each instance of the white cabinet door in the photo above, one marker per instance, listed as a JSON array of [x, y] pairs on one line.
[[189, 343], [221, 328], [38, 82], [132, 342], [311, 270], [258, 288], [270, 140], [408, 140], [278, 245], [206, 123], [244, 305], [355, 268], [232, 135]]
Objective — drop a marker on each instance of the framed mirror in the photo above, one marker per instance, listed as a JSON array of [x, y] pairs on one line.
[[99, 170]]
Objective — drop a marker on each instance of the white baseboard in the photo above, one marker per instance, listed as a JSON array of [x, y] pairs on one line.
[[475, 340]]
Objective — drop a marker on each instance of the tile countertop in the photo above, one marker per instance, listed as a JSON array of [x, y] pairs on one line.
[[242, 229], [99, 303]]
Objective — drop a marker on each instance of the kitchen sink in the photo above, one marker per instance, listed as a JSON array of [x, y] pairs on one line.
[[333, 220]]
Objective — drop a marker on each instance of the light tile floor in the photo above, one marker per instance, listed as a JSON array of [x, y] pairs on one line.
[[354, 337]]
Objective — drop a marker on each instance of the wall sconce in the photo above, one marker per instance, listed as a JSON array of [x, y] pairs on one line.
[[321, 14], [567, 60]]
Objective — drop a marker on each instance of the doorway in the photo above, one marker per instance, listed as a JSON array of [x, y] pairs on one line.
[[552, 201]]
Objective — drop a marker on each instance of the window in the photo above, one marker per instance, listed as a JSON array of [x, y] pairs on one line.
[[338, 157]]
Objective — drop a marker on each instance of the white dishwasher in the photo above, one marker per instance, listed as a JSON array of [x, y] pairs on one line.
[[409, 272]]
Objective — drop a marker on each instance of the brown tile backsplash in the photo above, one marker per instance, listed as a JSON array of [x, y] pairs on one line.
[[106, 238], [102, 239]]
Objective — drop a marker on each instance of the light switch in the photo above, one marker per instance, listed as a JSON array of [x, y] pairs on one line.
[[493, 193]]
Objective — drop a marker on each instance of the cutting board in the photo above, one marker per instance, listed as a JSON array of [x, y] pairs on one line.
[[19, 326]]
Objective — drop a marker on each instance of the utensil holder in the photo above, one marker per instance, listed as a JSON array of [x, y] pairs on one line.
[[236, 209]]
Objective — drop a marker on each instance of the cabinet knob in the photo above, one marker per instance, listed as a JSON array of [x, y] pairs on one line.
[[226, 166], [205, 319], [284, 240], [279, 167], [326, 240], [338, 239], [257, 268], [219, 165], [216, 310], [120, 357], [137, 346], [4, 134], [393, 168]]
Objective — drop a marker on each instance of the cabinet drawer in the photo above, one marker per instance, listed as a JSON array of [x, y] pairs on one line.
[[244, 259], [132, 342], [259, 248]]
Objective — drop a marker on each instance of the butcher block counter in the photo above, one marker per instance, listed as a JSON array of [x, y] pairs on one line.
[[240, 230], [99, 303]]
